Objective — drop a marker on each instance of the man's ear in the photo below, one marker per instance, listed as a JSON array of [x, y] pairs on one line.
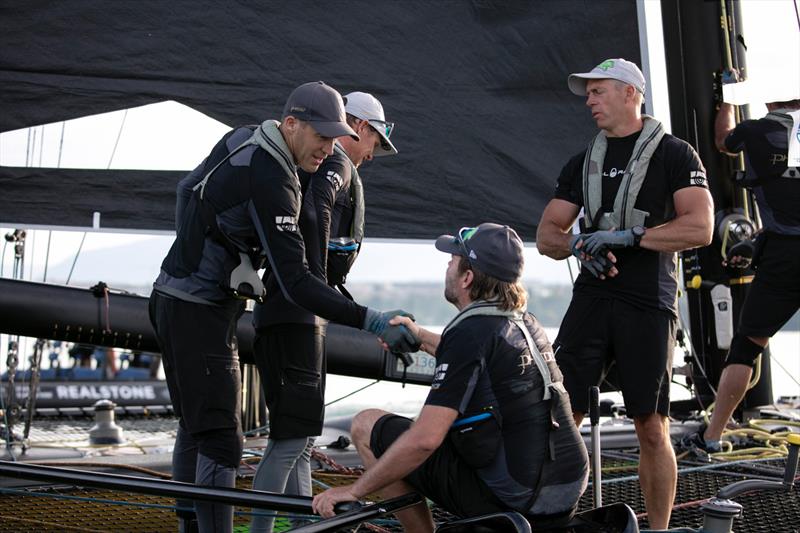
[[290, 123], [469, 277]]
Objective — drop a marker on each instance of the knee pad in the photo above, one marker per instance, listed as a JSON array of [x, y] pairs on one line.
[[223, 445], [743, 351]]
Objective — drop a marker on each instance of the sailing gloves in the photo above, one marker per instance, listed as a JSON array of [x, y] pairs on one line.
[[397, 337], [595, 242], [598, 265]]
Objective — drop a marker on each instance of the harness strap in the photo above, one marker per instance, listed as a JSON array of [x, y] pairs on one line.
[[789, 119], [624, 214]]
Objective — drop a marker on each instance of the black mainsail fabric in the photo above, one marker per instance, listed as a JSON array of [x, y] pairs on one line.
[[478, 89]]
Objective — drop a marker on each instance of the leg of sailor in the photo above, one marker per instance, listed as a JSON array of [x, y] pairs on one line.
[[643, 343], [773, 298], [202, 368]]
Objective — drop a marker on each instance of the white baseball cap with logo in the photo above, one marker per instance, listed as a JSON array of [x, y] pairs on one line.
[[367, 107], [610, 69]]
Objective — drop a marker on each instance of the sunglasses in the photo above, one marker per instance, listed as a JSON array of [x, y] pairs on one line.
[[382, 126], [464, 234]]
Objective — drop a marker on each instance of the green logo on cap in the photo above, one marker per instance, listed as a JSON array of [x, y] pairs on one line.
[[605, 65]]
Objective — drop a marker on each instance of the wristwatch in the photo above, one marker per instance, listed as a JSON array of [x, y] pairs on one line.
[[638, 233]]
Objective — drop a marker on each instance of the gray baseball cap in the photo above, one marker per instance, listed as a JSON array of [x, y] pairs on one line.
[[321, 106], [493, 249], [614, 69]]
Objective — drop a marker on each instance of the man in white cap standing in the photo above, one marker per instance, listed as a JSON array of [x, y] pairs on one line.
[[237, 210], [289, 345], [644, 197]]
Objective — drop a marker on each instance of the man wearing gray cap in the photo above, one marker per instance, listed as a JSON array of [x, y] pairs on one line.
[[236, 212], [644, 197], [495, 433], [289, 346]]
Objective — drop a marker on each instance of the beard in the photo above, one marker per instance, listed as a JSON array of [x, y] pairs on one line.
[[450, 294]]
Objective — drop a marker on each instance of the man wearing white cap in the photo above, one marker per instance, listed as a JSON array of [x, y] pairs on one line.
[[290, 341], [237, 210], [644, 195], [772, 172]]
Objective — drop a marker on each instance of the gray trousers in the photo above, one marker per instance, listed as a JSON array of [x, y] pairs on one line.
[[285, 468]]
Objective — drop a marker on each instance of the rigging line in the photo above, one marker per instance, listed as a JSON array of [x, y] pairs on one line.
[[77, 254], [47, 255], [28, 149], [61, 144], [3, 258], [116, 143], [41, 147], [352, 393], [796, 13]]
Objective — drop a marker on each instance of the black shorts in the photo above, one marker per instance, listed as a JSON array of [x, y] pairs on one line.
[[201, 362], [603, 337], [774, 295], [443, 477], [291, 361]]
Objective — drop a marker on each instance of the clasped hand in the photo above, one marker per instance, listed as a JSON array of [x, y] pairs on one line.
[[599, 263], [396, 337]]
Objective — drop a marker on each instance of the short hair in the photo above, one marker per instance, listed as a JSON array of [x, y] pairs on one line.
[[637, 95], [352, 120], [511, 296]]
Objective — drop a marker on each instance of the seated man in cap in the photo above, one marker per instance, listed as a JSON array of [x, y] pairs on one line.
[[238, 211], [495, 433]]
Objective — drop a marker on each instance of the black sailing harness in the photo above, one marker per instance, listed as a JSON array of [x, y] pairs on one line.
[[244, 281], [476, 437], [342, 251]]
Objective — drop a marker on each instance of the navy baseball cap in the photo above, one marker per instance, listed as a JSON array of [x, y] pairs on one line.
[[493, 249], [321, 106]]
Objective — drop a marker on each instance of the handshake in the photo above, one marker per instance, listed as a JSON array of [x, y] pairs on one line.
[[593, 250], [397, 337]]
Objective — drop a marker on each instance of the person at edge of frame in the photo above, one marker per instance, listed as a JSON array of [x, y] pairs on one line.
[[495, 433], [771, 146], [239, 210], [644, 196], [289, 344]]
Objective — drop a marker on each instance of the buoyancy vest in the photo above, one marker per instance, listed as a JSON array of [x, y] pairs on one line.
[[244, 281], [789, 119], [564, 472], [624, 215], [343, 249]]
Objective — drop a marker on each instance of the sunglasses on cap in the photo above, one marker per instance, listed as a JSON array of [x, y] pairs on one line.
[[464, 234], [382, 126]]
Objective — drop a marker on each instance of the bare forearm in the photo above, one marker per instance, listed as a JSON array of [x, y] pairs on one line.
[[430, 340], [552, 241], [723, 125], [682, 233]]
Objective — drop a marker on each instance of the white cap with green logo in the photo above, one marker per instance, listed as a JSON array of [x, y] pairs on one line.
[[613, 69], [367, 107]]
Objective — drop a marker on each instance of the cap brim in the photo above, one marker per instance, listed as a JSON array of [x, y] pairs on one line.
[[333, 129], [577, 82], [448, 244], [386, 147]]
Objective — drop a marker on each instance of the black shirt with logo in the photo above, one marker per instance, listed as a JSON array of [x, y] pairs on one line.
[[765, 146], [484, 363], [646, 278]]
